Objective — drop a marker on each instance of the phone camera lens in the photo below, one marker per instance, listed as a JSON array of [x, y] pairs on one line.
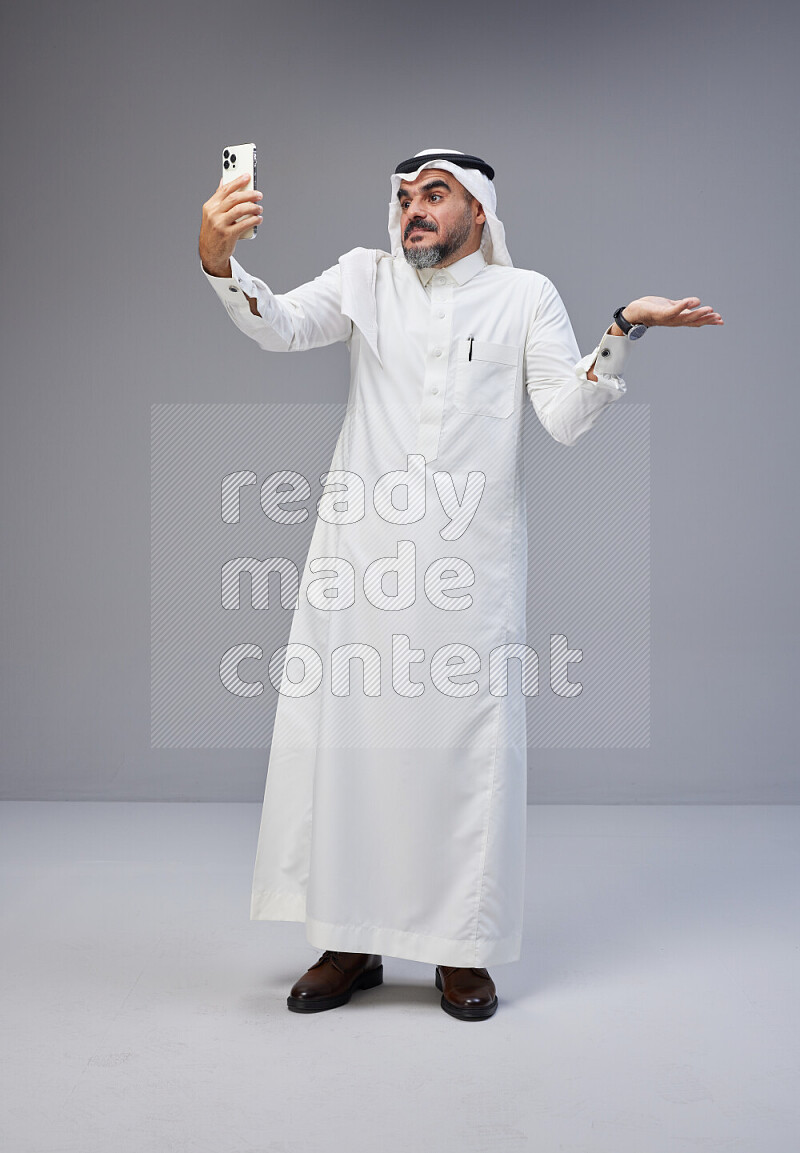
[[226, 153], [233, 158], [226, 165]]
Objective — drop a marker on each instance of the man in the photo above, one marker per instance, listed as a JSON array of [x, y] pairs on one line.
[[394, 815]]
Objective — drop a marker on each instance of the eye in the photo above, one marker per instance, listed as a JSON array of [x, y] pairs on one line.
[[436, 196]]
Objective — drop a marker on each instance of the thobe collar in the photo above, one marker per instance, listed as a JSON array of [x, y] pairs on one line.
[[460, 270]]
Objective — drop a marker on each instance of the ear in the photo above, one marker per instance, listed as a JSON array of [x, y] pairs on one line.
[[480, 216]]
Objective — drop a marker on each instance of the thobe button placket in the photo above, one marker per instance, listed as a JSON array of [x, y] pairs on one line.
[[436, 365]]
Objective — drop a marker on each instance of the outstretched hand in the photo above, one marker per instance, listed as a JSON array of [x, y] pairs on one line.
[[660, 310]]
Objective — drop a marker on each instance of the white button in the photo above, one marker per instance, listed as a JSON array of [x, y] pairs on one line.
[[441, 314], [435, 391], [437, 352], [440, 279]]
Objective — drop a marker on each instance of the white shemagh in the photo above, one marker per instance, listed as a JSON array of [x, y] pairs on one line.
[[359, 266], [493, 241]]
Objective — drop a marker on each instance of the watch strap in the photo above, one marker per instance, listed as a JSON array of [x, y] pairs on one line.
[[621, 322]]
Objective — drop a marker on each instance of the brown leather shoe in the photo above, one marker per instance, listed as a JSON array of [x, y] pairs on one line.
[[331, 980], [468, 994]]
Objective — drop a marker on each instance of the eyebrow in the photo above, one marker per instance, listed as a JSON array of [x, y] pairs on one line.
[[403, 192]]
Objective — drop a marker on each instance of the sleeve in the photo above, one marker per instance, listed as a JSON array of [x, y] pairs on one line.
[[309, 316], [566, 402]]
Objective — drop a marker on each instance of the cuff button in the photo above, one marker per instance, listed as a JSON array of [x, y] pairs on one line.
[[232, 289], [606, 352]]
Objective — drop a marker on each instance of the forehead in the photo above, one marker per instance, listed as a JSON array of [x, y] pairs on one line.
[[430, 174]]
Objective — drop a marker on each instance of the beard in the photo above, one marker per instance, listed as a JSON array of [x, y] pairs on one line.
[[432, 254]]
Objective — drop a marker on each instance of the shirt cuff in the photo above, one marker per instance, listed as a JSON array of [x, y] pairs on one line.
[[609, 359], [231, 289], [612, 352]]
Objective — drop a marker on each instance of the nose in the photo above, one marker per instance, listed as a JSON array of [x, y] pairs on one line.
[[415, 215], [416, 210]]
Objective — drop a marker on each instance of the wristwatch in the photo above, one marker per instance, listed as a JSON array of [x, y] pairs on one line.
[[632, 331]]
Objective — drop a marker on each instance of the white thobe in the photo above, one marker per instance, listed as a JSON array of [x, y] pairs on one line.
[[394, 808]]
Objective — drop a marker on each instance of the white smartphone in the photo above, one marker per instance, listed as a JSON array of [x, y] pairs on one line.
[[236, 160]]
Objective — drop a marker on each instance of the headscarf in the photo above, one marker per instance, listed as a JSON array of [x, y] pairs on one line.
[[475, 180]]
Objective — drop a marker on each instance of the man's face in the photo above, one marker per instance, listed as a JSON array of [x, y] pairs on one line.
[[438, 225]]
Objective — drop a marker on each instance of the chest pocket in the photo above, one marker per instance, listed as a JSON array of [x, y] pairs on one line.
[[486, 377]]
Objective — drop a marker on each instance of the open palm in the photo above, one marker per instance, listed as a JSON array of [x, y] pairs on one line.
[[660, 310]]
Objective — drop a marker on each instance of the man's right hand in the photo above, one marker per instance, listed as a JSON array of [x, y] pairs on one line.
[[218, 233]]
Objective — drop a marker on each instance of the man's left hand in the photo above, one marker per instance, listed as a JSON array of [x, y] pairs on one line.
[[660, 310]]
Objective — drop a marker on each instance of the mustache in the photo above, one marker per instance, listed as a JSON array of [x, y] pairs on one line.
[[418, 224]]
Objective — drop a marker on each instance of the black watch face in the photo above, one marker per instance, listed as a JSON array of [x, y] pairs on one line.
[[637, 331]]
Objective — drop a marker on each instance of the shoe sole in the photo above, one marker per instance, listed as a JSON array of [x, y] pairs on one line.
[[465, 1013], [367, 980]]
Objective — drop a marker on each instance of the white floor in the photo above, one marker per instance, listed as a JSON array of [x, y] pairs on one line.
[[656, 1008]]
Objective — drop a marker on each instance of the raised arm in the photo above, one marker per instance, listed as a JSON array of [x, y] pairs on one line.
[[306, 317], [569, 393]]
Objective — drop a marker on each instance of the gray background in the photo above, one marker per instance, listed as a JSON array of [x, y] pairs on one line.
[[646, 150]]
